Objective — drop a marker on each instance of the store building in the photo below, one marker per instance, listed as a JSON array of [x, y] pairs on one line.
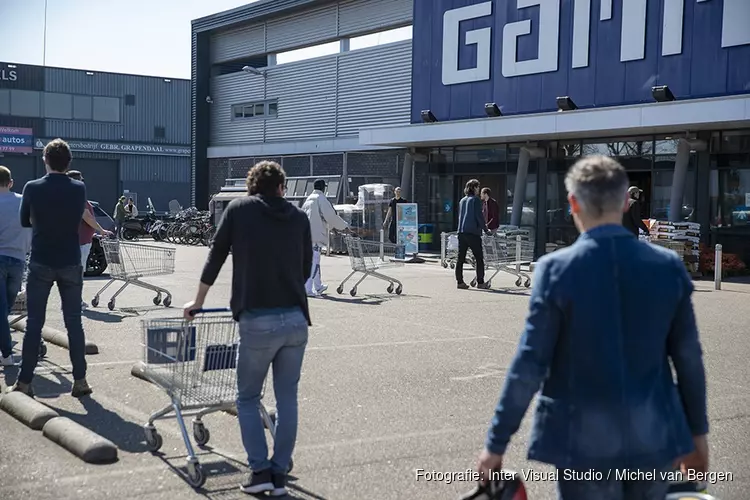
[[129, 134], [561, 78]]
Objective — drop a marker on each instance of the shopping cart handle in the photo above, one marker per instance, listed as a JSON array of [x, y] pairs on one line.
[[210, 311]]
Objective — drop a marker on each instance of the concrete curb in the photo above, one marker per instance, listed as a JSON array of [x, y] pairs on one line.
[[55, 337], [27, 410], [80, 441]]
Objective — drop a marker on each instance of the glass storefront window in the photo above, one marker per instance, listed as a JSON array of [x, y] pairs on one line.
[[558, 209], [730, 197], [621, 147], [528, 216], [441, 206], [661, 195]]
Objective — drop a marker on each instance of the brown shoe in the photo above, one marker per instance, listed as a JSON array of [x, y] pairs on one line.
[[462, 286], [483, 286], [81, 388], [22, 388]]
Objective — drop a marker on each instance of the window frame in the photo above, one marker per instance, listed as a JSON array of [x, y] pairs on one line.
[[239, 112]]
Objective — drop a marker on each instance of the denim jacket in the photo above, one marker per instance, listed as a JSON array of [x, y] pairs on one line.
[[606, 315]]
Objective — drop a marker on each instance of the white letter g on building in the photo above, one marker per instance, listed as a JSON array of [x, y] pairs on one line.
[[482, 38]]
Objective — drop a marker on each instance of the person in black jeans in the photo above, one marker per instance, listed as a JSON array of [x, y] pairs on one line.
[[53, 207], [631, 219], [470, 228]]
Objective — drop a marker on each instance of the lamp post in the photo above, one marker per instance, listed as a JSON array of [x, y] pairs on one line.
[[44, 48]]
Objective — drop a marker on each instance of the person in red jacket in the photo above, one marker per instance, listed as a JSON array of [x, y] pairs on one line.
[[490, 209]]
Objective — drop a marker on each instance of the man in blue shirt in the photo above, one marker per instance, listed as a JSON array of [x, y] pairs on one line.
[[608, 401], [471, 225], [53, 207]]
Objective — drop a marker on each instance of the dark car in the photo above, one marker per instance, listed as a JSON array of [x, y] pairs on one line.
[[97, 263]]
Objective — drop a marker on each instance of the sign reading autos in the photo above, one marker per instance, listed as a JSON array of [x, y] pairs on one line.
[[122, 148], [16, 140], [522, 54]]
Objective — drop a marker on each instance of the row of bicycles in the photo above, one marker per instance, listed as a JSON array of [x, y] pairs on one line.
[[186, 227]]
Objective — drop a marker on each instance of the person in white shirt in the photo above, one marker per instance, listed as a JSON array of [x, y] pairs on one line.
[[323, 218]]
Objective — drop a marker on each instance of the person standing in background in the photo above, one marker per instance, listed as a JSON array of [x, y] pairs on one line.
[[120, 215], [391, 222], [323, 218], [490, 210], [131, 209], [53, 207], [631, 219], [89, 226], [15, 241], [471, 226]]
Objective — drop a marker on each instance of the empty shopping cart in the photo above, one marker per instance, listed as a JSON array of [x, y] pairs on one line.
[[368, 258], [195, 364], [19, 311], [129, 262], [506, 251]]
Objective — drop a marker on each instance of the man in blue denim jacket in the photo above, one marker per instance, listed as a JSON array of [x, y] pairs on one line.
[[606, 316]]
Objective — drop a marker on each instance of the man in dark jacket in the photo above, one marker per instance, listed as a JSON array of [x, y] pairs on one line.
[[608, 399], [490, 210], [470, 228], [631, 219], [272, 258]]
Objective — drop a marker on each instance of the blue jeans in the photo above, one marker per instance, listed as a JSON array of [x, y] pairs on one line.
[[612, 489], [38, 286], [275, 340], [11, 276]]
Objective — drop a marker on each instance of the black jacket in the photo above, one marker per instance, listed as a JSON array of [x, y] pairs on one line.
[[632, 218], [271, 254]]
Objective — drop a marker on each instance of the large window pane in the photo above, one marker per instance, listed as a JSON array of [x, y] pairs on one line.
[[25, 103], [82, 108], [4, 102], [58, 106], [661, 195], [558, 209], [106, 109], [441, 208], [734, 198], [528, 216]]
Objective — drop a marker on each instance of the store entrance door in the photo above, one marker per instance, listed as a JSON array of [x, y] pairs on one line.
[[642, 180]]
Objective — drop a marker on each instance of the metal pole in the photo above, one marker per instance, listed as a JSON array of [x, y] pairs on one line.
[[518, 255], [44, 49], [328, 248], [382, 247], [717, 267], [443, 244]]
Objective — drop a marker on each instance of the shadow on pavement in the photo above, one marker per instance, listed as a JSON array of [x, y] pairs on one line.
[[508, 291], [105, 317], [126, 435]]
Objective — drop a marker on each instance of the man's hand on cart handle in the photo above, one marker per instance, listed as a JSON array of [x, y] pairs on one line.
[[191, 309], [488, 462]]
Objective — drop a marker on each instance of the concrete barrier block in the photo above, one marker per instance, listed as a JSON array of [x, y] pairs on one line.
[[27, 410], [55, 337], [80, 441]]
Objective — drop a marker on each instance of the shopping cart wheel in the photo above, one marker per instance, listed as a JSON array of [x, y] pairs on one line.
[[518, 282], [390, 288], [353, 291], [95, 302], [527, 283], [153, 440], [453, 266], [167, 301], [474, 282], [195, 475], [157, 300], [340, 289], [200, 433], [111, 305], [445, 265], [42, 350], [399, 289]]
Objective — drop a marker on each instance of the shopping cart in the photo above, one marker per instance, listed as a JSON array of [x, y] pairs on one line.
[[19, 311], [195, 364], [449, 251], [507, 251], [368, 257], [129, 262]]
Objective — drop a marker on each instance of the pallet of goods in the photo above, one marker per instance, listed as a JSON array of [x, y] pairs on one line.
[[682, 237]]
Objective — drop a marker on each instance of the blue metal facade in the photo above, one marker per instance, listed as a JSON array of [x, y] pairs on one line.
[[698, 67]]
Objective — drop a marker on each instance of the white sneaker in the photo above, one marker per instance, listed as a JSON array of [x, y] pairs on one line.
[[310, 293], [84, 305], [8, 361], [322, 289]]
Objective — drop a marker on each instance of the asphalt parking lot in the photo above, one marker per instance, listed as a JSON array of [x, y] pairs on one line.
[[390, 384]]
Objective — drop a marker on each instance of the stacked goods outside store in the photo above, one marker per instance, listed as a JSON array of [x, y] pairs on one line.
[[373, 201], [352, 214], [682, 237]]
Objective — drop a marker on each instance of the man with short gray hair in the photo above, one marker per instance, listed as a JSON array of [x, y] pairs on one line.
[[608, 400]]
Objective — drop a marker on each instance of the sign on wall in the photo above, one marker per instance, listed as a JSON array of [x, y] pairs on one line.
[[407, 227], [8, 73], [16, 140], [121, 148], [522, 54]]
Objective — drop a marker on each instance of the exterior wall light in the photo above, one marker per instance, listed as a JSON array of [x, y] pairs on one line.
[[662, 94], [565, 103], [492, 110], [428, 117]]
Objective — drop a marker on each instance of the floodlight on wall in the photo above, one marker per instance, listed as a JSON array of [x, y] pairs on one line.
[[254, 71], [565, 103], [662, 93], [492, 110], [428, 117]]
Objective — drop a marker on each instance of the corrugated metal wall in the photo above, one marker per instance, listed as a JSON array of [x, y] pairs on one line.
[[374, 88], [158, 103], [162, 178], [227, 90], [307, 28], [238, 43], [357, 16], [307, 100]]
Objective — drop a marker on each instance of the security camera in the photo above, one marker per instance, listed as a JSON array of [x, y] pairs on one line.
[[209, 100]]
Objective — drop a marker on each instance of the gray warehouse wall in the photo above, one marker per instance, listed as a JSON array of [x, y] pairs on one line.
[[163, 178], [157, 103]]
